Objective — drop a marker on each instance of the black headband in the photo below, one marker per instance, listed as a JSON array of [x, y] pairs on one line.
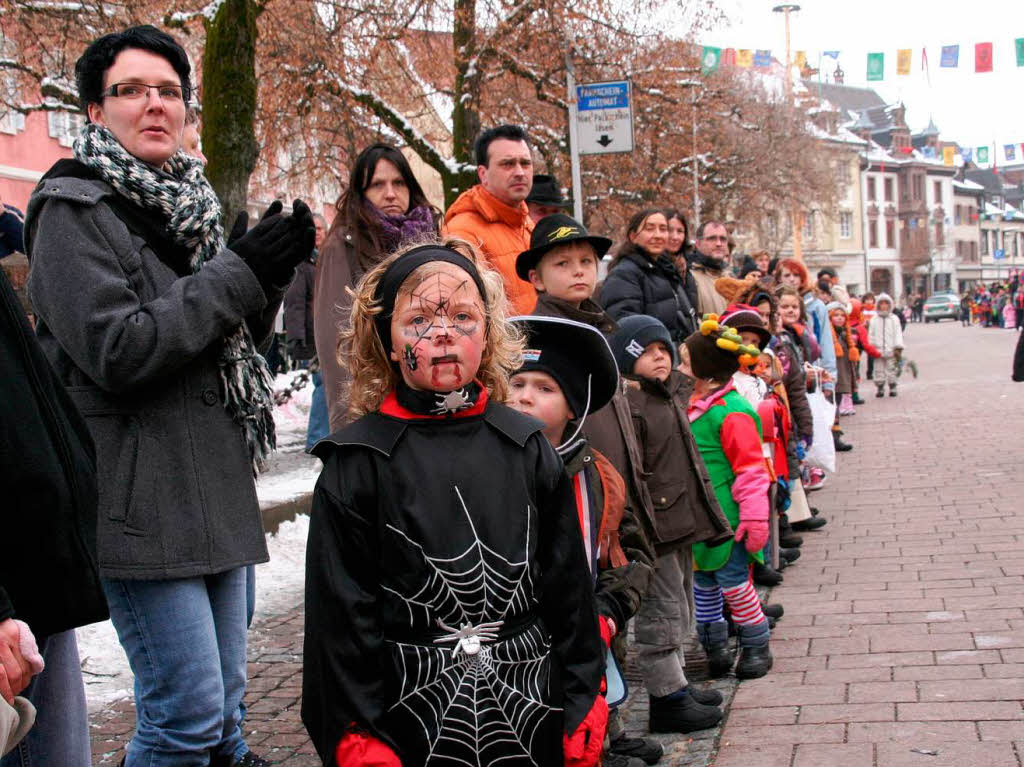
[[401, 268]]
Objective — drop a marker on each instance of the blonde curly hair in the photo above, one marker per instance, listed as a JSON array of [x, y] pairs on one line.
[[374, 374]]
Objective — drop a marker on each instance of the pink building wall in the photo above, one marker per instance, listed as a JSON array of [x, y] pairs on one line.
[[24, 157]]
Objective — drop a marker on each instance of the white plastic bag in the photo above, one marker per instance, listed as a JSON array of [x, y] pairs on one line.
[[822, 452]]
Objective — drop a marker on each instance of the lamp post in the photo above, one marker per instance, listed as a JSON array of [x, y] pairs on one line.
[[786, 9]]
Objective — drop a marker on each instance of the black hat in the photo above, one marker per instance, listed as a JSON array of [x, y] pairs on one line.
[[636, 332], [575, 355], [552, 231], [743, 317], [545, 191]]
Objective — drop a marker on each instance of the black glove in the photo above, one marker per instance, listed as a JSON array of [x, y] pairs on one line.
[[241, 225], [276, 244]]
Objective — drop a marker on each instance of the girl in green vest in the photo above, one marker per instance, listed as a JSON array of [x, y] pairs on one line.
[[728, 435]]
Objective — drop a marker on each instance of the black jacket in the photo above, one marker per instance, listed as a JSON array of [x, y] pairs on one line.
[[469, 520], [48, 573], [298, 311], [638, 285]]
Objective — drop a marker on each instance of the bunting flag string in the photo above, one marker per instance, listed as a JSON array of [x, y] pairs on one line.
[[950, 56], [902, 61]]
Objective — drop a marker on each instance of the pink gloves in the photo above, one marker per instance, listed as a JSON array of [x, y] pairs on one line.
[[755, 532], [583, 747], [29, 648]]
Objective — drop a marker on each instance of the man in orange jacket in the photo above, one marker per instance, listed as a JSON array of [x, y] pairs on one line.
[[493, 214]]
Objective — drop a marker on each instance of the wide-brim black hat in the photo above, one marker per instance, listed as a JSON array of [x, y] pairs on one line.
[[545, 191], [575, 355], [552, 231]]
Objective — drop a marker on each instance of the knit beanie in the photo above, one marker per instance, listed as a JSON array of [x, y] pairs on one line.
[[635, 333], [834, 305]]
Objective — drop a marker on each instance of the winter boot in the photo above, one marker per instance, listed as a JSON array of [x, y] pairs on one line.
[[846, 405], [715, 639], [892, 390], [806, 525], [790, 555], [765, 575], [790, 540], [773, 610], [636, 750], [841, 447], [612, 759], [881, 391], [679, 712], [705, 697], [857, 399], [755, 656]]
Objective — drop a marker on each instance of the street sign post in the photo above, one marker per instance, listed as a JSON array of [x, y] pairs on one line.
[[604, 117]]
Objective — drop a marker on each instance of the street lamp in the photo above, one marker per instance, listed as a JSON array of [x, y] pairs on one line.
[[798, 219]]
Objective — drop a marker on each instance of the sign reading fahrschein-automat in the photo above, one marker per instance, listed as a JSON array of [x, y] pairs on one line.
[[604, 117]]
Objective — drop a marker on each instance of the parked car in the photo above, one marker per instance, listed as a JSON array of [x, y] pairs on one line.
[[940, 306]]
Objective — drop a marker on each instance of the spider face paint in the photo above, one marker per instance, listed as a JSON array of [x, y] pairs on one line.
[[440, 326]]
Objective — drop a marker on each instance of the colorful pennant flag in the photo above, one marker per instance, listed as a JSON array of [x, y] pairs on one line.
[[876, 66], [950, 56], [967, 153], [832, 54], [762, 58], [948, 155], [1010, 150], [983, 57], [1019, 45], [903, 61], [800, 59], [710, 59], [729, 57], [1022, 149], [745, 58], [982, 154]]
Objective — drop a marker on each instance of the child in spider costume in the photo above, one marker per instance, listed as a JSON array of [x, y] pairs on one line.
[[449, 615], [728, 435]]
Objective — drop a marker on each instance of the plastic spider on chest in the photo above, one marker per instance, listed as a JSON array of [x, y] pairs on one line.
[[469, 638]]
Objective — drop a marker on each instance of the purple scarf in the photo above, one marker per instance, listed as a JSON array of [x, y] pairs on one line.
[[397, 229]]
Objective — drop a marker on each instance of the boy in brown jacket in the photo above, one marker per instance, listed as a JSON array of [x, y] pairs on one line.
[[685, 512]]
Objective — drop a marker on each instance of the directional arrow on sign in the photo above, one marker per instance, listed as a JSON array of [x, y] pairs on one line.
[[604, 140]]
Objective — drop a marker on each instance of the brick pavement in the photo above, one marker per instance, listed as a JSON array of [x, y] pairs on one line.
[[904, 626], [903, 640]]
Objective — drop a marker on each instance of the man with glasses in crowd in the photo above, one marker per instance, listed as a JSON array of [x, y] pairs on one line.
[[710, 258]]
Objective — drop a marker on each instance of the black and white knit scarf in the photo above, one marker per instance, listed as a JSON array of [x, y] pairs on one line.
[[181, 193]]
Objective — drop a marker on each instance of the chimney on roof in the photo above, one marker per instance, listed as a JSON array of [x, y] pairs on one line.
[[838, 75]]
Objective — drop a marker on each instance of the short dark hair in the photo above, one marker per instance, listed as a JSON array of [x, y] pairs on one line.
[[99, 57], [704, 225], [828, 271], [483, 141]]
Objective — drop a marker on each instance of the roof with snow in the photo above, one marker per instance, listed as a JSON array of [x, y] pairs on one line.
[[968, 186]]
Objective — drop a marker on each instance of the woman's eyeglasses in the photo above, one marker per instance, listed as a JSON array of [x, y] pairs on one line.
[[133, 91]]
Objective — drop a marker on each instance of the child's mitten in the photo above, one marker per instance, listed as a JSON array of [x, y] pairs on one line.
[[583, 747], [357, 749]]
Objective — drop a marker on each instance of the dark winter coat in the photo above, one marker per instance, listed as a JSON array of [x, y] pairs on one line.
[[685, 509], [464, 521], [638, 285], [791, 354], [298, 311], [48, 574], [1018, 360], [610, 432], [341, 263], [136, 342]]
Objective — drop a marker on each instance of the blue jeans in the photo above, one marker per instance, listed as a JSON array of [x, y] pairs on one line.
[[185, 641], [735, 571], [61, 732], [319, 422]]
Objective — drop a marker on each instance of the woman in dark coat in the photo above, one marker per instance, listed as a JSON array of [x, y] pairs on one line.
[[383, 206], [643, 279], [680, 250], [152, 324]]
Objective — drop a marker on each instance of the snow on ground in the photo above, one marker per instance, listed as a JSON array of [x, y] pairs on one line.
[[279, 582]]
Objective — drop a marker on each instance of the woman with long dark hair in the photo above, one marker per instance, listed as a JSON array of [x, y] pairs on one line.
[[382, 207], [643, 279], [680, 250]]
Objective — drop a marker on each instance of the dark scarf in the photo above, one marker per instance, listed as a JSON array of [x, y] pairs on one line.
[[710, 264], [398, 229]]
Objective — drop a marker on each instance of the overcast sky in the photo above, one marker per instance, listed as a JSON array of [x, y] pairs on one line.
[[973, 109]]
